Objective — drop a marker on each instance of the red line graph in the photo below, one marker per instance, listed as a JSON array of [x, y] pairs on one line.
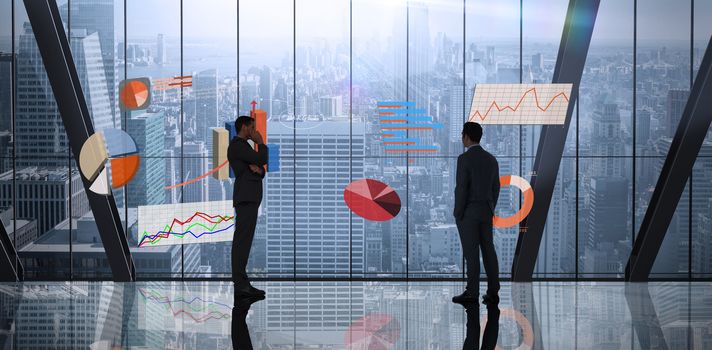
[[204, 216], [494, 104], [197, 178]]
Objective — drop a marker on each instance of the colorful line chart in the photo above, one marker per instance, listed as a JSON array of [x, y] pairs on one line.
[[196, 309], [397, 119], [183, 309], [185, 223], [520, 103]]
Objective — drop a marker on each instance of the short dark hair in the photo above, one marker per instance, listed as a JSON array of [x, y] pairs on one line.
[[473, 131], [242, 120]]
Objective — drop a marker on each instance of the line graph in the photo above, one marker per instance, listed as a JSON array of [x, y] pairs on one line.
[[225, 163], [520, 103], [196, 309], [185, 223]]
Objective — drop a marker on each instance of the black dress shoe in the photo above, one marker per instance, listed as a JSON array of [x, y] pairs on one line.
[[490, 299], [246, 290], [257, 291], [466, 297]]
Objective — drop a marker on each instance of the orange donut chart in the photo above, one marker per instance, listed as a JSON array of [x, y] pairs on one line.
[[527, 331], [528, 193]]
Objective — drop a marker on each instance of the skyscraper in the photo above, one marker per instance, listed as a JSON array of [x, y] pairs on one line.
[[676, 101], [266, 90], [44, 194], [607, 222], [5, 93], [86, 51], [607, 140], [40, 136], [330, 106], [537, 62], [205, 87], [97, 16], [161, 49], [323, 232], [195, 163], [147, 186]]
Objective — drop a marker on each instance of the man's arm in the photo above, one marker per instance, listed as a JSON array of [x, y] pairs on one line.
[[495, 185], [245, 153], [462, 188]]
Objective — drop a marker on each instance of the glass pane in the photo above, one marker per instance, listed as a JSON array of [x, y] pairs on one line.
[[492, 56], [702, 33], [542, 26], [557, 249], [210, 57], [605, 217], [434, 247], [385, 241], [266, 76], [606, 91], [6, 86], [702, 213], [152, 50], [379, 65], [663, 72], [379, 75]]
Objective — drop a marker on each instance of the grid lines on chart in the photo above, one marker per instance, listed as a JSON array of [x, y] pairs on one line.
[[520, 103], [185, 223]]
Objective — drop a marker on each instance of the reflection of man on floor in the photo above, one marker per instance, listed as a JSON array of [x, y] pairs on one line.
[[248, 166], [476, 193]]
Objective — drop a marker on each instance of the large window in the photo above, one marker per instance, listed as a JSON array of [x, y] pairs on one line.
[[319, 69]]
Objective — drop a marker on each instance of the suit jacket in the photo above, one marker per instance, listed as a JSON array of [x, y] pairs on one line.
[[477, 181], [248, 185]]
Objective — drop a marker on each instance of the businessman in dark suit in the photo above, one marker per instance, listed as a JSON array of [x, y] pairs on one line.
[[476, 193], [248, 166]]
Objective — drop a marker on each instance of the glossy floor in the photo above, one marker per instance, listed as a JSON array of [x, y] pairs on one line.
[[358, 315]]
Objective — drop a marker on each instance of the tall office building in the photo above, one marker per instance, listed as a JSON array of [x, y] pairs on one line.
[[675, 105], [40, 136], [456, 113], [5, 93], [249, 91], [95, 310], [90, 67], [607, 222], [195, 163], [48, 195], [322, 220], [161, 49], [205, 87], [538, 62], [147, 186], [97, 16], [330, 106], [266, 90], [607, 140]]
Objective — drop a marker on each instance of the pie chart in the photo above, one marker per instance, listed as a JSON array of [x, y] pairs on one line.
[[373, 332], [372, 200], [134, 94], [109, 159]]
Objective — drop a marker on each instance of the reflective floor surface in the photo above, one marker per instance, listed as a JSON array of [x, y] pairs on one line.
[[357, 315]]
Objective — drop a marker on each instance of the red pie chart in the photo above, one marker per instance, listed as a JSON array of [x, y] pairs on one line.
[[372, 200], [373, 332], [134, 94]]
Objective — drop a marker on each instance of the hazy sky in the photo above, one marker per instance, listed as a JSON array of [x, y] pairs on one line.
[[543, 19]]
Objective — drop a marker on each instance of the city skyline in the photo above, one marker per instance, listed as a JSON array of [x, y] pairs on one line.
[[442, 72]]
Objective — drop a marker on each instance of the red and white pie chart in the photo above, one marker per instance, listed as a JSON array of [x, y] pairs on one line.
[[373, 332], [372, 200]]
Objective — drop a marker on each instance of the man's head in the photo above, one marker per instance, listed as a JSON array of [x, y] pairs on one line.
[[244, 126], [471, 134]]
